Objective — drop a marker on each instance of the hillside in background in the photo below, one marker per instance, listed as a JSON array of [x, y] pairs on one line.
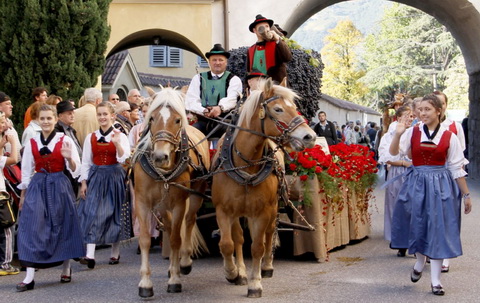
[[365, 15]]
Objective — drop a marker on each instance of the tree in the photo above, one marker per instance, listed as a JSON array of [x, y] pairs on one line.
[[342, 66], [412, 52], [59, 44]]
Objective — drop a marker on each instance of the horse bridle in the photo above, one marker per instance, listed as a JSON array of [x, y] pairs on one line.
[[284, 128]]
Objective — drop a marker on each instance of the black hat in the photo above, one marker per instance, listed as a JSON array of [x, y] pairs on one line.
[[3, 97], [259, 18], [217, 50], [64, 106], [256, 73]]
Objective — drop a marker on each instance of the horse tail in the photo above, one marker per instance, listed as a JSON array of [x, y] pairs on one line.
[[197, 241]]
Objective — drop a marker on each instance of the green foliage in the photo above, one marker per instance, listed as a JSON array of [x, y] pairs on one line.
[[59, 44], [412, 53], [343, 71]]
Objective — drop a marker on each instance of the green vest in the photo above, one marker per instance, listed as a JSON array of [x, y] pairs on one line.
[[259, 61], [213, 90]]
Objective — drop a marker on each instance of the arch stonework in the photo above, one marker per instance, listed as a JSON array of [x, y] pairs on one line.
[[195, 25], [185, 24]]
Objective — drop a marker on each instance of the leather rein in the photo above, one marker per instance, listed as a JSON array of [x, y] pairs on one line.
[[268, 161]]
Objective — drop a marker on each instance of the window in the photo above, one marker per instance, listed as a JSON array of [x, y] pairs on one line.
[[202, 62], [165, 56]]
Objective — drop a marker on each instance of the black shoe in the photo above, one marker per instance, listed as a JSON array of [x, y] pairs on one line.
[[114, 261], [66, 279], [415, 276], [438, 290], [401, 252], [23, 287], [87, 261], [445, 268]]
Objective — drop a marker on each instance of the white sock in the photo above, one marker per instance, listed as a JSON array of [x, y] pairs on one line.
[[66, 268], [91, 251], [435, 270], [115, 250], [446, 262], [30, 275], [420, 264]]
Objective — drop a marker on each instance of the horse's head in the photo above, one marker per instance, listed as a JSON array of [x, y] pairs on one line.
[[166, 120], [276, 109]]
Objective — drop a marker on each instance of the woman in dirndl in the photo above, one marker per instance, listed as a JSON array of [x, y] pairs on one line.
[[49, 232], [427, 214], [456, 128], [396, 166], [103, 210]]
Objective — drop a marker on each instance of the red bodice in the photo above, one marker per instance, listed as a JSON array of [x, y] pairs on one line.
[[429, 153], [52, 163], [453, 128], [103, 153]]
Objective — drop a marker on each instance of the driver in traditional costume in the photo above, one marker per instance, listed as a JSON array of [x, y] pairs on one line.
[[214, 93]]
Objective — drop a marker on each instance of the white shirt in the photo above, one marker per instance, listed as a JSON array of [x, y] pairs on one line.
[[31, 131], [460, 133], [455, 158], [11, 132], [87, 156], [28, 162], [193, 102]]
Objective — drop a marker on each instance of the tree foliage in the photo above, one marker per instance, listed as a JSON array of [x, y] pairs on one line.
[[343, 70], [411, 53], [59, 44]]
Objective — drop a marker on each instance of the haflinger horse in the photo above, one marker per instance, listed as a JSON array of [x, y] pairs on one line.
[[247, 175], [168, 157]]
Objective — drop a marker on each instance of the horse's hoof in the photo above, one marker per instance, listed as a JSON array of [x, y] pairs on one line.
[[267, 273], [238, 280], [185, 270], [254, 293], [172, 288], [145, 292]]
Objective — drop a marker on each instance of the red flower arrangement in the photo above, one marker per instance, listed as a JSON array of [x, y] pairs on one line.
[[351, 165]]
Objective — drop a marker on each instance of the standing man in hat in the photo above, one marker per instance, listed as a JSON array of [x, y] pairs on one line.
[[214, 93], [270, 53], [66, 117]]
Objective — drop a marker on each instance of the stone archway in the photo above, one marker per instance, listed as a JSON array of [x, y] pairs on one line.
[[462, 19]]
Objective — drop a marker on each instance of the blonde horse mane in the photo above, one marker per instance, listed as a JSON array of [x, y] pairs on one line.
[[253, 101]]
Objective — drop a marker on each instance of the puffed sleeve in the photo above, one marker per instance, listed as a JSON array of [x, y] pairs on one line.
[[234, 90], [455, 158], [460, 135], [75, 158], [406, 141], [384, 150], [193, 102], [28, 165], [126, 148], [87, 158]]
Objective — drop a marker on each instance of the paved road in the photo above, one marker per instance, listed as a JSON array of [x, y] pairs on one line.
[[365, 272]]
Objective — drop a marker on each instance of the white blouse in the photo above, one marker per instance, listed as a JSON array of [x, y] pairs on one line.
[[455, 158], [384, 154], [87, 155], [460, 133], [28, 162]]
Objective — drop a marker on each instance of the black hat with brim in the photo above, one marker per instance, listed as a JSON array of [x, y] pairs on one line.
[[64, 106], [217, 50], [256, 73], [258, 19]]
